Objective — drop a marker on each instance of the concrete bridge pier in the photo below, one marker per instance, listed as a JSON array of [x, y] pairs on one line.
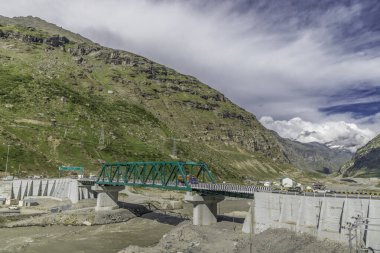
[[248, 225], [205, 208], [107, 197]]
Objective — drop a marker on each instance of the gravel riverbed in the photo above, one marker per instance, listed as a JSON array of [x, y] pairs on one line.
[[135, 228]]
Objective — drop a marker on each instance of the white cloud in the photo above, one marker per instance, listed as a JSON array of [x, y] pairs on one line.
[[335, 134]]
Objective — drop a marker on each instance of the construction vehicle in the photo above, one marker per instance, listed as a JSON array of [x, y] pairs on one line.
[[191, 179], [294, 189], [320, 188]]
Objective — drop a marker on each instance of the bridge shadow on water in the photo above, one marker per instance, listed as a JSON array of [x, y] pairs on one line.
[[136, 209], [152, 213], [230, 219]]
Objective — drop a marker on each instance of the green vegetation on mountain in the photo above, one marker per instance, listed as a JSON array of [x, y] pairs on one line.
[[366, 161], [67, 100]]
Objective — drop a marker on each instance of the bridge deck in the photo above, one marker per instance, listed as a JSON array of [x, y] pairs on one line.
[[232, 190]]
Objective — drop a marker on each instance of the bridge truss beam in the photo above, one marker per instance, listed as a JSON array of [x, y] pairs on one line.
[[165, 175]]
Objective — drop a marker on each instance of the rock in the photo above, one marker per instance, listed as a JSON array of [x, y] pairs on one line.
[[220, 97], [56, 41], [79, 60], [53, 122], [196, 105], [230, 134], [83, 49], [114, 57], [217, 97], [114, 216], [210, 127], [86, 223], [232, 115], [32, 39]]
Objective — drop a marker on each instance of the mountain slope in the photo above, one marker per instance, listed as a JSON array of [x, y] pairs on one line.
[[366, 161], [67, 100], [314, 157]]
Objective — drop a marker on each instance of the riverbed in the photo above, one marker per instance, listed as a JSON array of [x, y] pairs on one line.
[[143, 231], [82, 239]]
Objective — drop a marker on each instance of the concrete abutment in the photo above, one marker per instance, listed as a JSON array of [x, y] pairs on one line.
[[326, 217], [58, 188]]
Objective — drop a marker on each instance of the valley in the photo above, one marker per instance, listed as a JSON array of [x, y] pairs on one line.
[[68, 101]]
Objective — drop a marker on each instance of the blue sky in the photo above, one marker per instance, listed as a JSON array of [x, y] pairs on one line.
[[310, 66]]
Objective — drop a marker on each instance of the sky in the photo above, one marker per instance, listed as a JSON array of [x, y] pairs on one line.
[[308, 69]]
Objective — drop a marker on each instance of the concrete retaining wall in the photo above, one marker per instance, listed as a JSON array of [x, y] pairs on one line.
[[324, 217], [62, 188]]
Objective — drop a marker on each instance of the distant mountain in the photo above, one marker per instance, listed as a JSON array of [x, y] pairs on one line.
[[315, 157], [366, 161], [65, 100]]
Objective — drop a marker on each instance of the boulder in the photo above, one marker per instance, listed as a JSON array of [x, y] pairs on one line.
[[56, 41]]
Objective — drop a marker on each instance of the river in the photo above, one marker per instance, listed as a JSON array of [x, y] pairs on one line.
[[110, 238]]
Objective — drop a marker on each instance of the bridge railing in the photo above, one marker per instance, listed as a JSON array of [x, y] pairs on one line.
[[246, 189]]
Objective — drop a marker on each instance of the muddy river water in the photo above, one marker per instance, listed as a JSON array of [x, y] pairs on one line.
[[82, 239], [142, 231]]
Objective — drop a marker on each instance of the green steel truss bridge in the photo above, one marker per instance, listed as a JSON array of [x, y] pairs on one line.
[[182, 176], [165, 175]]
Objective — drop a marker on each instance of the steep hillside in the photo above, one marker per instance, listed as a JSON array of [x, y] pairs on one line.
[[67, 100], [366, 161], [314, 157]]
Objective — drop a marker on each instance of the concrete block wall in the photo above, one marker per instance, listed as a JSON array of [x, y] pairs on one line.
[[62, 188], [323, 217], [5, 188]]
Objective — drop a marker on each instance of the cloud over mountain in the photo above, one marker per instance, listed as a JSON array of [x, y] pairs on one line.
[[337, 134]]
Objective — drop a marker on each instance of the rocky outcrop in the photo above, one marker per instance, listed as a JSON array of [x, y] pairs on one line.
[[114, 57], [56, 41], [82, 49], [217, 97], [232, 115], [200, 106], [19, 36], [247, 120], [32, 39]]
